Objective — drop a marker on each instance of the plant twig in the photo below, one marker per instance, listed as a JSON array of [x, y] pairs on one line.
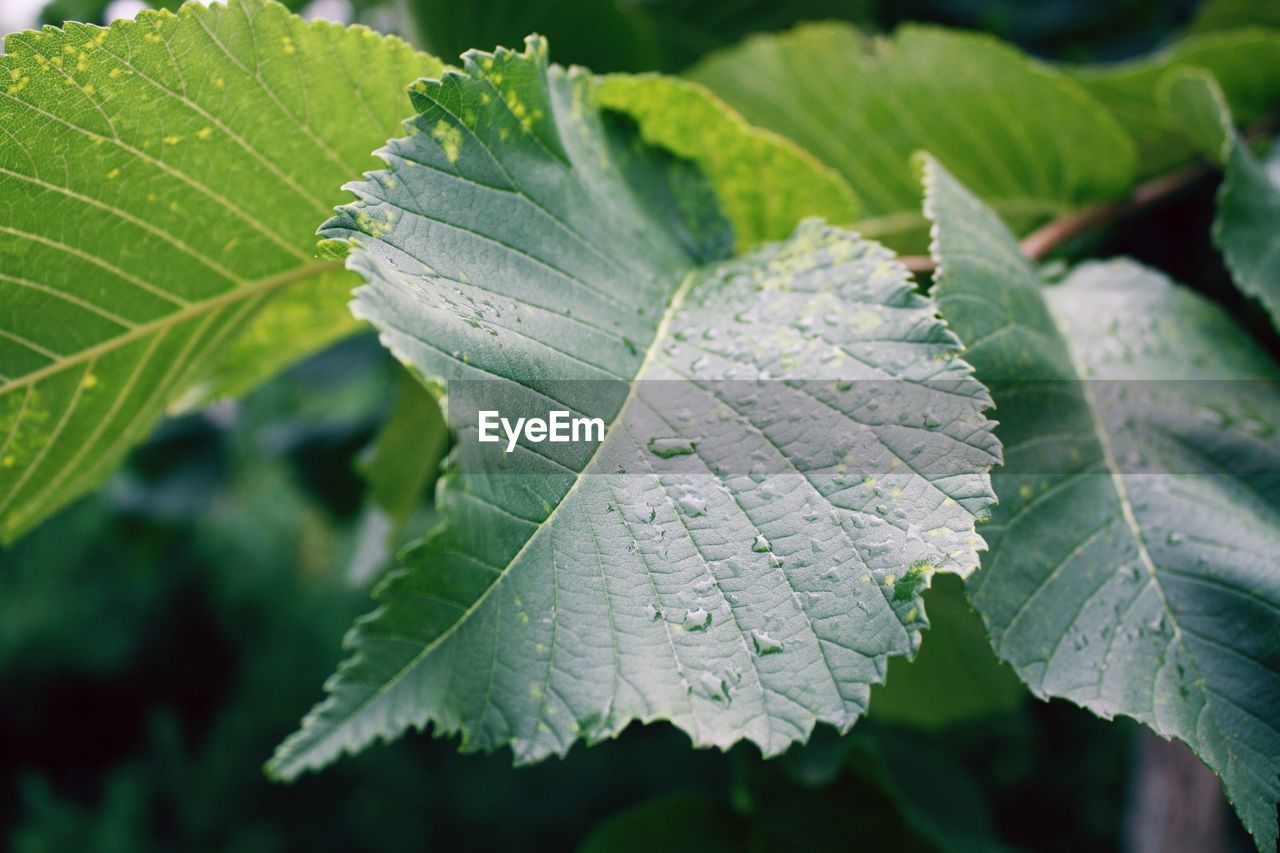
[[1045, 239]]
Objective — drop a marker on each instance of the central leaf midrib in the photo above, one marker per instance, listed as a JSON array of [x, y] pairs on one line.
[[194, 309], [1140, 541]]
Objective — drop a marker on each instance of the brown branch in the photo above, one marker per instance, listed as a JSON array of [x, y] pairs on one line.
[[1043, 240]]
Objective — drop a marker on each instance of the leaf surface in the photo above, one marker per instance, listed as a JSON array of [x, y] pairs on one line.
[[765, 183], [1247, 227], [709, 563], [1132, 554], [161, 180], [1027, 139], [399, 468], [1245, 62]]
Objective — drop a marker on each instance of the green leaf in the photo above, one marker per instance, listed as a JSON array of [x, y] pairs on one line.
[[1195, 100], [1131, 554], [933, 792], [163, 177], [1247, 227], [955, 678], [1027, 139], [679, 822], [765, 183], [1245, 62], [704, 564], [407, 453], [400, 466], [889, 790]]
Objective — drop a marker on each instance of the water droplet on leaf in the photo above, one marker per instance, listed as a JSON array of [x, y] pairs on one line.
[[697, 619], [764, 644], [668, 447]]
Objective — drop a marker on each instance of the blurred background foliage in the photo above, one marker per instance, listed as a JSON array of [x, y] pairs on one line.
[[160, 637], [157, 640], [668, 35]]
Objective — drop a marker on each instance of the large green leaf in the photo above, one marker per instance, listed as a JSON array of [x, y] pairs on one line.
[[1247, 227], [721, 560], [765, 182], [1132, 553], [1027, 139], [1245, 62], [161, 180]]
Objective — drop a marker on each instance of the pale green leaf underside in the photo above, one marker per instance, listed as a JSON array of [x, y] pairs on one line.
[[161, 180], [765, 183], [1131, 571], [1247, 227], [518, 234], [1027, 139], [1245, 62]]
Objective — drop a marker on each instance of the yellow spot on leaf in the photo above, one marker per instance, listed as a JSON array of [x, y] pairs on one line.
[[286, 44], [89, 381], [450, 139], [113, 174], [204, 133]]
